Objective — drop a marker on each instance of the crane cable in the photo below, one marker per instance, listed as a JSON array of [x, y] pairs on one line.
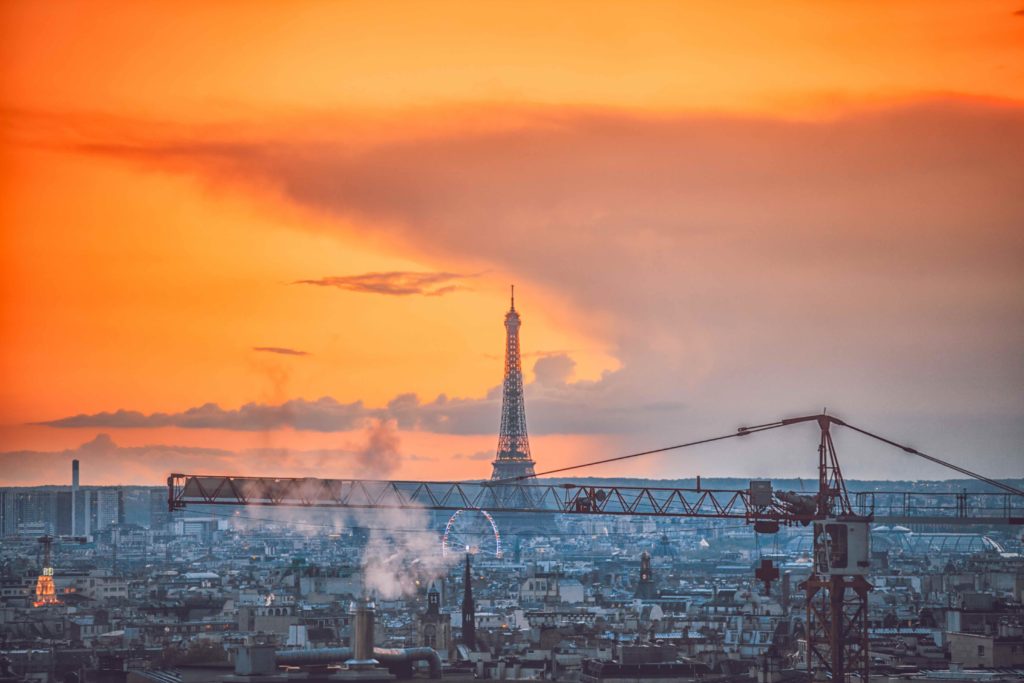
[[1007, 488], [744, 431]]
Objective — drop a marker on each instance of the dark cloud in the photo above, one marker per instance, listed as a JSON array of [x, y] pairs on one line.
[[554, 406], [322, 415], [737, 267], [478, 456], [554, 370], [395, 283], [101, 444], [281, 350]]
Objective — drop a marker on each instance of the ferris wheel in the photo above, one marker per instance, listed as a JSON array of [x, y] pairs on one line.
[[471, 531]]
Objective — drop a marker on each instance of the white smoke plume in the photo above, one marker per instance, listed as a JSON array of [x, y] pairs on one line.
[[379, 458], [403, 553]]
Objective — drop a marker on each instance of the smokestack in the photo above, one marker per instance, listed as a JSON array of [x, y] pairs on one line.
[[74, 497], [363, 617]]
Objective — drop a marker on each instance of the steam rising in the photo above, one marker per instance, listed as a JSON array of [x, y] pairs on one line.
[[400, 552], [379, 458], [396, 560]]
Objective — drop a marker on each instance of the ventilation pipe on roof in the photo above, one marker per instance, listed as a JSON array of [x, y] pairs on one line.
[[398, 660]]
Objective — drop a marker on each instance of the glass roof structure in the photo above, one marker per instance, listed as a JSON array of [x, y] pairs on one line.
[[904, 541]]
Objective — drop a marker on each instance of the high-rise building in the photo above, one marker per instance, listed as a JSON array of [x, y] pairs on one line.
[[36, 511], [74, 496], [64, 512], [513, 457], [86, 511], [109, 507], [159, 516], [8, 513]]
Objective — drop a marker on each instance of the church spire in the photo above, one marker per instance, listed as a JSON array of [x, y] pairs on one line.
[[468, 609]]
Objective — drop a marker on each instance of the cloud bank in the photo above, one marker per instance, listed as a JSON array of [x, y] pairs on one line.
[[322, 415], [555, 406]]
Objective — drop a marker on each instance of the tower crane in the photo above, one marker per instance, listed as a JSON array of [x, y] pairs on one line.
[[836, 590]]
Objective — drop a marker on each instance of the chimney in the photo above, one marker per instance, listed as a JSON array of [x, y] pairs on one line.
[[363, 616]]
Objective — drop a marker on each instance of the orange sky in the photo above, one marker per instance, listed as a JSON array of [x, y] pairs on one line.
[[170, 172]]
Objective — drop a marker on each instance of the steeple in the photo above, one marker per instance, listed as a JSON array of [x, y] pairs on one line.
[[433, 600], [645, 588], [468, 609]]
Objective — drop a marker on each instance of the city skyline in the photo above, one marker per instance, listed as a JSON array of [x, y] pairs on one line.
[[286, 250], [586, 342]]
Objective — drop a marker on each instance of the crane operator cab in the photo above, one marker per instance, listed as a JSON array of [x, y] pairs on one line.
[[842, 547]]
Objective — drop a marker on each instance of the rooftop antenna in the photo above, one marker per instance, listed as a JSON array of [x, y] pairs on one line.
[[513, 297]]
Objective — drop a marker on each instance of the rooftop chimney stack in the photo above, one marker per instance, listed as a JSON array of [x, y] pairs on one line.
[[363, 617]]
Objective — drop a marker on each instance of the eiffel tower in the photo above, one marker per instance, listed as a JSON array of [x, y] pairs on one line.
[[513, 457]]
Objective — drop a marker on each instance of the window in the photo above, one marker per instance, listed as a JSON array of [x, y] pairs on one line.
[[981, 650], [838, 545]]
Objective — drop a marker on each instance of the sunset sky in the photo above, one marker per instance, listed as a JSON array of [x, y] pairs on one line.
[[277, 238]]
